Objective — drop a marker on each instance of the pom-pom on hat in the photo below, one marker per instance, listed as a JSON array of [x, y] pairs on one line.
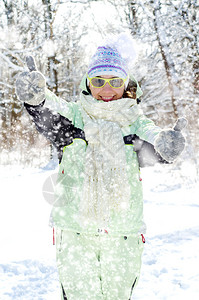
[[107, 61]]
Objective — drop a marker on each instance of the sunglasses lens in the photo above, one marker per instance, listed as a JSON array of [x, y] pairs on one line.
[[100, 82], [97, 82], [116, 82]]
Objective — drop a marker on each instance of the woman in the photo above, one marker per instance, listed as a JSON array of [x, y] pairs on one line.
[[98, 208]]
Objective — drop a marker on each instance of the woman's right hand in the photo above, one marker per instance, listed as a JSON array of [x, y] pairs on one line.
[[30, 86]]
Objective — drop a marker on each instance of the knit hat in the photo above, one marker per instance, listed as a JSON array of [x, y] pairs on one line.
[[114, 57], [107, 61]]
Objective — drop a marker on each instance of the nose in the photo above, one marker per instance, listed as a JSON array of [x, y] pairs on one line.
[[107, 87]]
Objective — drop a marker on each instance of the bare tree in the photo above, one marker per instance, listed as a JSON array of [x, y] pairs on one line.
[[163, 43], [167, 66], [33, 28]]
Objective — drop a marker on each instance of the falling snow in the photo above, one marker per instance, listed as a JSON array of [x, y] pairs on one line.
[[170, 259]]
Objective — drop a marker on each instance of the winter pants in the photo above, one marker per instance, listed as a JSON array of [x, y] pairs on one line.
[[97, 267]]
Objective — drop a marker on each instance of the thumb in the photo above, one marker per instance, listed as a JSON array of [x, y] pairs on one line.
[[180, 124], [31, 63]]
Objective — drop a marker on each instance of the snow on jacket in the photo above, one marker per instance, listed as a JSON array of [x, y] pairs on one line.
[[62, 123]]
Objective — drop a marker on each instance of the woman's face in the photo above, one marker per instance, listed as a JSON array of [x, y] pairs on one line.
[[107, 93]]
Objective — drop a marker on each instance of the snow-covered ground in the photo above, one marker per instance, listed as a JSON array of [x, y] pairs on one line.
[[170, 268]]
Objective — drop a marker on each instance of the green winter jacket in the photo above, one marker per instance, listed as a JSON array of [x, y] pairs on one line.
[[65, 212]]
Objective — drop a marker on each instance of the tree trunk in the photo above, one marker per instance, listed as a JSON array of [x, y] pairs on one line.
[[9, 12], [132, 17], [53, 76], [168, 65]]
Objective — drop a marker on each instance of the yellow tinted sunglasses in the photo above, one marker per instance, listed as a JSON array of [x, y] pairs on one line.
[[98, 82]]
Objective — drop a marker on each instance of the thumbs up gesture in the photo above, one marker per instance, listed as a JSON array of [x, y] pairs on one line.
[[170, 143], [30, 86]]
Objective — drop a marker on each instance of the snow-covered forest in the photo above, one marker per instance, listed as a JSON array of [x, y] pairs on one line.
[[62, 35]]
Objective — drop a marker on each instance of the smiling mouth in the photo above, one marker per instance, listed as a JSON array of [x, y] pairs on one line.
[[106, 99]]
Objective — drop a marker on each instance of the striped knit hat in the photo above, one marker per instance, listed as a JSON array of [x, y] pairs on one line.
[[107, 61]]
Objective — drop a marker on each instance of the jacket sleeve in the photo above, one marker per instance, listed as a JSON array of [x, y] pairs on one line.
[[59, 105], [146, 153], [57, 129], [145, 134], [146, 129]]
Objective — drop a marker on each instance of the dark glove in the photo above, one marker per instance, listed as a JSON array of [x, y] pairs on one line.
[[170, 142], [30, 86]]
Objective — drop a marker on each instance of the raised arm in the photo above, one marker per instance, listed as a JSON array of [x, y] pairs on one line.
[[169, 143], [31, 89]]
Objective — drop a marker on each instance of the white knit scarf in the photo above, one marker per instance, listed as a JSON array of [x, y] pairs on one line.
[[106, 185]]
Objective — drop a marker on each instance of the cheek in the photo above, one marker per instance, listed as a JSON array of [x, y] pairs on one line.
[[94, 91], [94, 94], [120, 93]]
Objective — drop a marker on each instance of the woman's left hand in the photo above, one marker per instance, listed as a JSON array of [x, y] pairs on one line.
[[170, 142]]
